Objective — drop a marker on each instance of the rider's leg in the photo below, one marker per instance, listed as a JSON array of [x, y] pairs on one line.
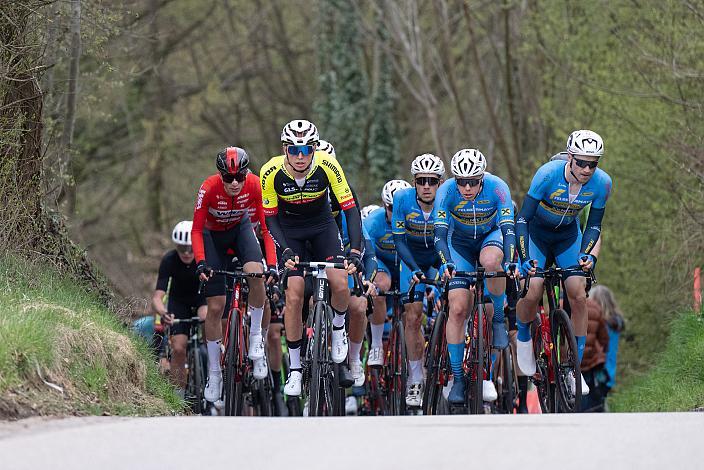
[[459, 301], [179, 343], [575, 287], [383, 283], [414, 341], [358, 325], [294, 333], [491, 258]]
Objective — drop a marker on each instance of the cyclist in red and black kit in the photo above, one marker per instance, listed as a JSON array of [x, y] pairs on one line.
[[222, 219]]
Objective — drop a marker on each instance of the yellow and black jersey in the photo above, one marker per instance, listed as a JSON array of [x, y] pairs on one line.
[[282, 195]]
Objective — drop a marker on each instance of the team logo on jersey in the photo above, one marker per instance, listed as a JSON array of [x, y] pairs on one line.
[[265, 201], [483, 201], [442, 214], [557, 193], [201, 193], [588, 193], [505, 211], [400, 224]]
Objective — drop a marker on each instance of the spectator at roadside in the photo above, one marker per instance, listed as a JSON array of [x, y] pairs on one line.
[[615, 323], [594, 358]]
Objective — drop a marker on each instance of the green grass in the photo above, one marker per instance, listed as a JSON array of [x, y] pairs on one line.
[[676, 381], [53, 330]]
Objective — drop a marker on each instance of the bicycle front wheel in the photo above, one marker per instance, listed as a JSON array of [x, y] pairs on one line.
[[316, 397], [566, 363], [234, 395], [399, 370], [436, 366], [475, 391]]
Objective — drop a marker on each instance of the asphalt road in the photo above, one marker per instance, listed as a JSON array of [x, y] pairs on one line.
[[595, 441]]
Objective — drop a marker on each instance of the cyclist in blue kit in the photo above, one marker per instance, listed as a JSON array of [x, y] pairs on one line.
[[548, 229], [413, 234], [473, 225]]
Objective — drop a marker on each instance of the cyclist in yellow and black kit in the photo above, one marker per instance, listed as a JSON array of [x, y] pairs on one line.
[[297, 210]]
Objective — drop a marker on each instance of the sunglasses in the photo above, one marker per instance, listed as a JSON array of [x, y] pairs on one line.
[[427, 180], [230, 177], [585, 163], [472, 182], [184, 249], [306, 150]]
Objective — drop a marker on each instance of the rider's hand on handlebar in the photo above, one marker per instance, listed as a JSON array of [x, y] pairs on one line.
[[529, 267], [272, 275], [167, 318], [418, 276], [447, 270], [354, 263], [290, 258], [511, 269], [369, 288], [586, 262], [203, 271]]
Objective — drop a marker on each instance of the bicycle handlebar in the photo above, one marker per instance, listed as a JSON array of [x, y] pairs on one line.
[[235, 274], [176, 321]]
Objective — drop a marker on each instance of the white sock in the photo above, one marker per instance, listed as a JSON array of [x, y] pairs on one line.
[[355, 348], [339, 320], [214, 356], [255, 327], [294, 356], [416, 369], [377, 335]]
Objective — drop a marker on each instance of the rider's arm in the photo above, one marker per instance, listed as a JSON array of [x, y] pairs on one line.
[[270, 203], [528, 209], [200, 213], [343, 193], [398, 227], [354, 227], [440, 216], [596, 214], [369, 260], [158, 302], [266, 235], [505, 219]]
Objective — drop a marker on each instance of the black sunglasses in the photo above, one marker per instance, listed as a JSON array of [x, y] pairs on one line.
[[230, 177], [472, 182], [429, 180], [585, 163], [184, 249]]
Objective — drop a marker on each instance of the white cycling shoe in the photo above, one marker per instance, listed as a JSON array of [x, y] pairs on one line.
[[572, 384], [526, 359], [351, 406], [376, 357], [489, 391], [213, 389], [357, 373], [414, 396], [256, 347], [293, 384], [339, 345], [259, 368]]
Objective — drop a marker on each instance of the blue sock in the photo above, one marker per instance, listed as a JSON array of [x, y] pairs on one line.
[[456, 355], [523, 331], [498, 301], [581, 342]]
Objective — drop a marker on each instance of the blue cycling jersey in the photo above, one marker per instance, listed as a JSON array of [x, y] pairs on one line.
[[381, 236], [413, 230], [368, 254], [471, 220], [549, 206]]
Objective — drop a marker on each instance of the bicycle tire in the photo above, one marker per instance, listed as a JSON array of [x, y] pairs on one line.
[[375, 393], [437, 354], [565, 360], [475, 398], [399, 370], [507, 391], [234, 396], [263, 400], [196, 370], [316, 369]]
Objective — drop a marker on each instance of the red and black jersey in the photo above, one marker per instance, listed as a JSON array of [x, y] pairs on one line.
[[215, 210]]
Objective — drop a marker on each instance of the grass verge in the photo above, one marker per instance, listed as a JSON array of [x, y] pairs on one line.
[[63, 352], [676, 381]]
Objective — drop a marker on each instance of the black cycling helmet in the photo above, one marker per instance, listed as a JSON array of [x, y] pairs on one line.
[[232, 160]]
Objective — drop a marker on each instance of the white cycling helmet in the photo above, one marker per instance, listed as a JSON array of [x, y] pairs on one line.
[[366, 210], [468, 163], [300, 132], [428, 163], [585, 142], [387, 192], [327, 147], [181, 234]]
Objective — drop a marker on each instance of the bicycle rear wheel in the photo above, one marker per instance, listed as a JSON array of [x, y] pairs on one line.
[[196, 380], [436, 366], [234, 395], [507, 387], [475, 395], [566, 362]]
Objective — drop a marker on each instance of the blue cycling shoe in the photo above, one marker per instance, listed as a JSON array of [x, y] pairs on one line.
[[456, 396], [500, 335]]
